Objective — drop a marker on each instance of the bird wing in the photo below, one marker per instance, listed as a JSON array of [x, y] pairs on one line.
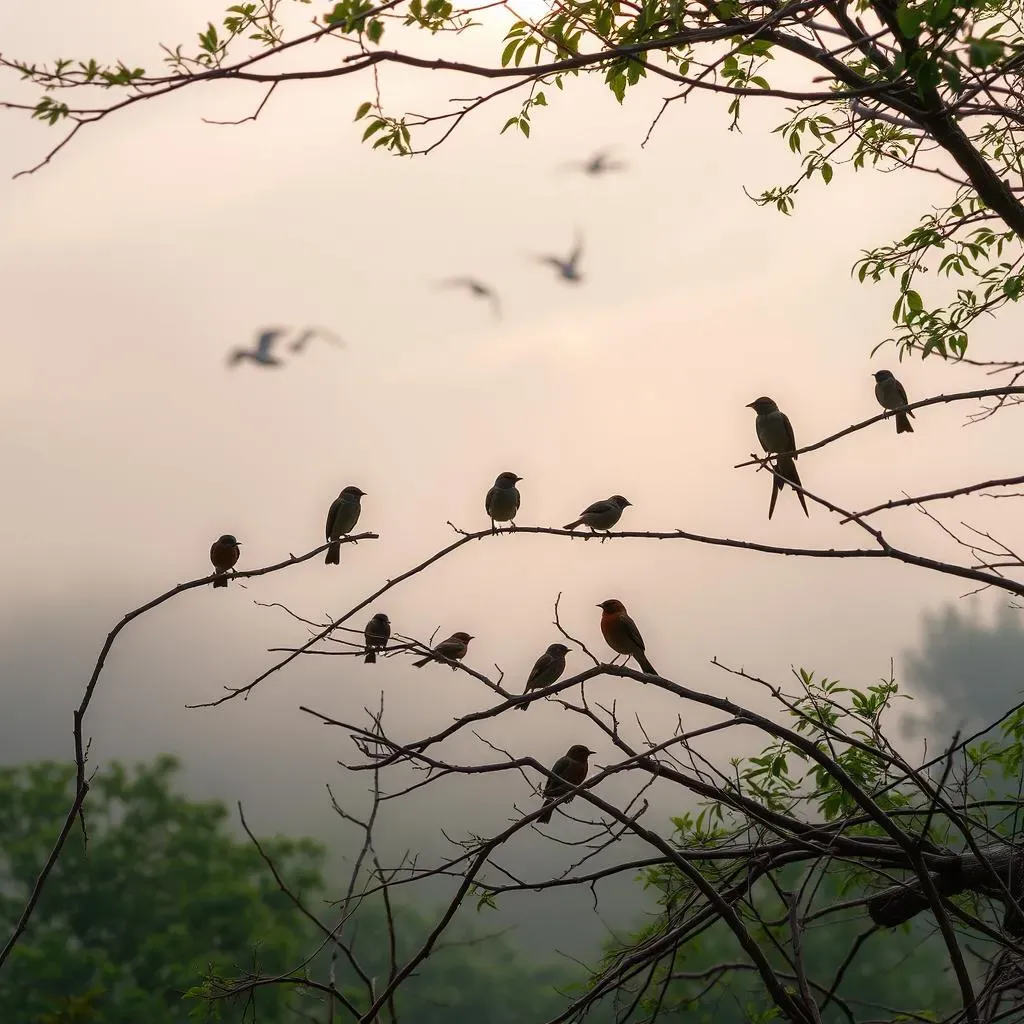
[[331, 513], [542, 664], [604, 505], [788, 429], [900, 390], [489, 500], [266, 340], [562, 768], [629, 627], [577, 251]]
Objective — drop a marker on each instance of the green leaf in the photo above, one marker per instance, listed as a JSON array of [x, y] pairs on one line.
[[909, 20], [826, 172], [364, 109], [914, 302], [985, 52]]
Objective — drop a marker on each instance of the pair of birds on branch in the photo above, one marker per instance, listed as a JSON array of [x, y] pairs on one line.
[[776, 437], [502, 503], [262, 353]]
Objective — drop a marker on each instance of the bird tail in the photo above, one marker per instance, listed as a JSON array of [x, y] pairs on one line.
[[221, 581], [333, 554], [645, 664], [525, 706], [903, 424], [786, 469], [422, 661], [371, 656], [545, 816], [572, 526]]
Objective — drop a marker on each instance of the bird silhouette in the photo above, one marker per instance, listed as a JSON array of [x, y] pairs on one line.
[[477, 289], [597, 164], [568, 269], [261, 354]]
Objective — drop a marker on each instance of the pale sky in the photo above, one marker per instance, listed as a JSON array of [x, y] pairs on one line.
[[155, 243]]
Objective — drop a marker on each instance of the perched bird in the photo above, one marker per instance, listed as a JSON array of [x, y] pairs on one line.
[[342, 517], [892, 396], [546, 670], [454, 647], [571, 771], [602, 515], [568, 269], [261, 353], [377, 634], [598, 163], [223, 553], [304, 337], [477, 289], [775, 433], [502, 501], [621, 634]]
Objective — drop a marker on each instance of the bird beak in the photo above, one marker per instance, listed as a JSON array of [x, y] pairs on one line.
[[591, 751], [750, 405], [598, 606]]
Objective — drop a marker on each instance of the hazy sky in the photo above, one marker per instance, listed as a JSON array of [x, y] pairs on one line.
[[155, 243]]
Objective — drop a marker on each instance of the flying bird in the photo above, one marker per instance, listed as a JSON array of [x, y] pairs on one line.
[[597, 164], [454, 647], [304, 337], [602, 515], [892, 396], [775, 433], [621, 634], [342, 517], [568, 269], [570, 770], [502, 500], [223, 553], [377, 634], [546, 670], [261, 354], [477, 289]]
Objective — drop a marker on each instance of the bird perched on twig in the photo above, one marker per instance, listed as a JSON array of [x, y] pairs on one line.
[[502, 500], [775, 433], [546, 670], [304, 337], [597, 164], [602, 515], [377, 634], [224, 554], [892, 397], [568, 269], [342, 517], [454, 647], [570, 770], [261, 354], [477, 289], [621, 634]]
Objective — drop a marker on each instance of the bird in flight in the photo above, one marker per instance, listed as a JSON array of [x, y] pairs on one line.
[[568, 269], [261, 354], [598, 163], [477, 289], [304, 337]]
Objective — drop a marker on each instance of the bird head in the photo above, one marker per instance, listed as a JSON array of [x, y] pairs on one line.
[[612, 606], [763, 405], [507, 480], [578, 752], [227, 539], [462, 637], [882, 375], [352, 493], [618, 499], [381, 618], [558, 649]]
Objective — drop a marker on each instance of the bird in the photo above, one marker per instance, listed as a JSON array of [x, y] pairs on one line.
[[596, 164], [546, 670], [775, 433], [568, 269], [342, 517], [502, 500], [621, 634], [892, 396], [377, 634], [261, 353], [454, 647], [476, 288], [602, 515], [223, 553], [304, 337], [570, 770]]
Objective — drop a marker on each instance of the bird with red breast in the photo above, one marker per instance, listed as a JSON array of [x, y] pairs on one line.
[[621, 634]]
